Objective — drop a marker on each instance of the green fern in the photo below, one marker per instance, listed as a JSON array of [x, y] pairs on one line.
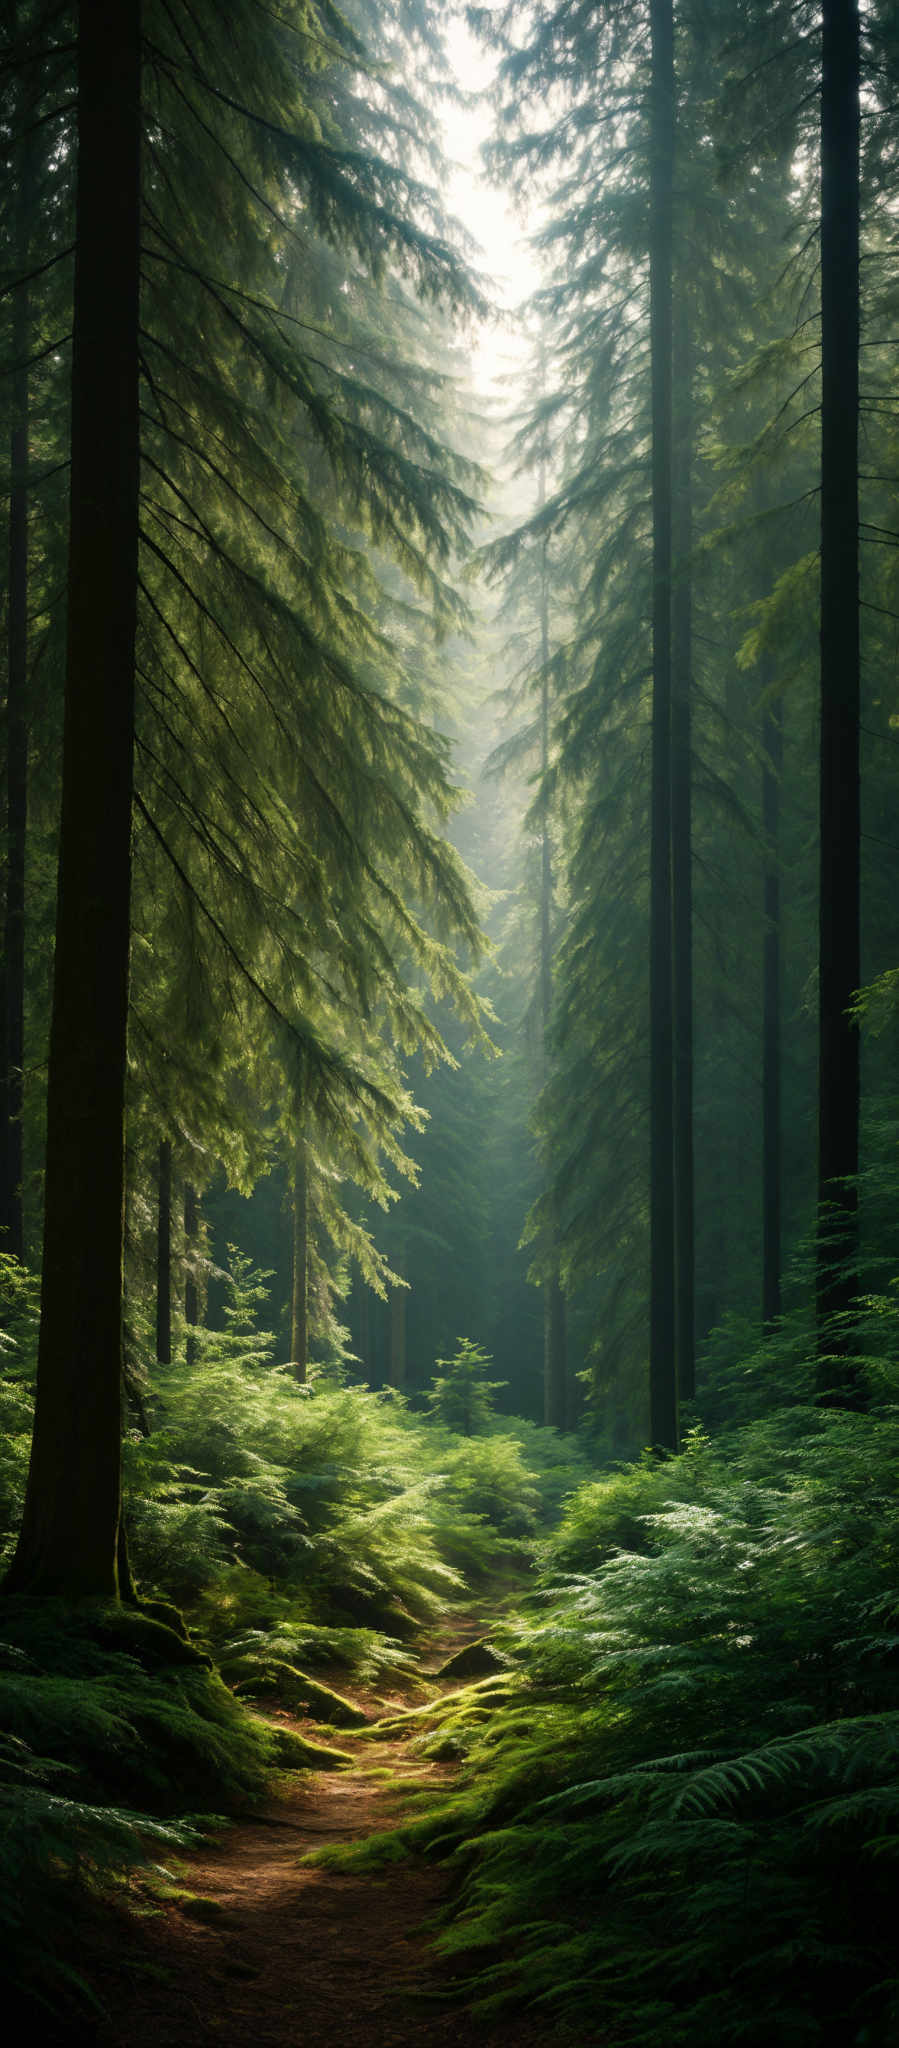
[[735, 1884]]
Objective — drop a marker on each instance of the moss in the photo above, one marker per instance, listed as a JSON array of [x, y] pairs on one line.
[[476, 1660], [132, 1711], [295, 1752], [77, 1639], [257, 1674], [194, 1905]]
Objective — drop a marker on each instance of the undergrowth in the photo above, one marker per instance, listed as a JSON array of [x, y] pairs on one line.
[[296, 1529], [678, 1819]]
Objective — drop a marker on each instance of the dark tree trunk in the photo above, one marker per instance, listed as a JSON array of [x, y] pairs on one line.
[[663, 1422], [396, 1368], [191, 1289], [555, 1349], [164, 1255], [681, 855], [13, 1019], [772, 741], [555, 1361], [299, 1308], [365, 1354], [839, 953], [70, 1532]]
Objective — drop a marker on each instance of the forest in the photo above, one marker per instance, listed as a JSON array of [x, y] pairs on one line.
[[449, 1023]]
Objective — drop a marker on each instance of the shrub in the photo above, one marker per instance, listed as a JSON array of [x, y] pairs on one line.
[[683, 1817]]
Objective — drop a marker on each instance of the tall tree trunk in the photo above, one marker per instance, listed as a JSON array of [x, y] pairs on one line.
[[681, 853], [299, 1308], [191, 1290], [164, 1255], [555, 1352], [365, 1357], [396, 1368], [13, 1019], [772, 741], [663, 1422], [555, 1361], [70, 1532], [839, 951]]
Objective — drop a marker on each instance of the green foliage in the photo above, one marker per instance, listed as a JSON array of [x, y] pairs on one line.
[[19, 1313], [682, 1817], [460, 1395], [49, 1840], [503, 1487], [132, 1710], [325, 1519], [109, 1721], [301, 508], [488, 1476], [297, 1527], [19, 1301], [558, 1462]]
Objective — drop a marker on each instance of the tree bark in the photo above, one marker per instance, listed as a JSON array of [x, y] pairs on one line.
[[70, 1533], [397, 1354], [13, 1020], [663, 1419], [555, 1349], [839, 948], [681, 855], [365, 1357], [299, 1309], [772, 741], [555, 1360], [164, 1255], [191, 1290]]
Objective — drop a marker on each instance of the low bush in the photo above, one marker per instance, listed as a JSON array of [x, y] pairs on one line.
[[295, 1527], [679, 1819]]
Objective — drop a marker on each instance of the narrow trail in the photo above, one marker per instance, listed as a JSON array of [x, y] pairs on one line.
[[271, 1955]]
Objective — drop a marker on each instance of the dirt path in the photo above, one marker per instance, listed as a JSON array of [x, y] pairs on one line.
[[285, 1957]]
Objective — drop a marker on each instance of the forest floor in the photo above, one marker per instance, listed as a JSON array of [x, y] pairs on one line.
[[260, 1952]]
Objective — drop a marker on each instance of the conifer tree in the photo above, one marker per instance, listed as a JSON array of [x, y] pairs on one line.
[[616, 224], [533, 590], [36, 234], [555, 1375], [593, 166], [663, 1424], [299, 1311], [290, 800], [13, 1042], [164, 1255], [69, 1540], [191, 1288], [683, 457], [840, 843]]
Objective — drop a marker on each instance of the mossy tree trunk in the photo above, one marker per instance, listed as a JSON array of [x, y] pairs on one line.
[[69, 1541]]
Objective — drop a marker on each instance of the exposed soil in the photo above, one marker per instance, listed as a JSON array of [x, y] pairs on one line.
[[267, 1954]]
